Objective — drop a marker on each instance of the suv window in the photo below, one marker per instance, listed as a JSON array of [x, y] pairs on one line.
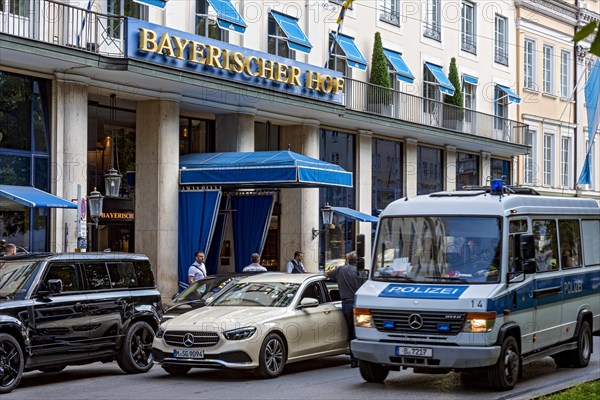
[[67, 273], [97, 276], [143, 271], [122, 274]]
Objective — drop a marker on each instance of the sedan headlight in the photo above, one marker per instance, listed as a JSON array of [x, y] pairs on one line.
[[240, 333], [479, 322], [362, 318], [160, 332]]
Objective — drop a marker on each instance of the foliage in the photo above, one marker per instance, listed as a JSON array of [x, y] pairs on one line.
[[457, 98], [584, 391], [589, 30], [379, 75]]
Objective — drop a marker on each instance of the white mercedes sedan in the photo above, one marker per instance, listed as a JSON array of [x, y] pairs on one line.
[[260, 323]]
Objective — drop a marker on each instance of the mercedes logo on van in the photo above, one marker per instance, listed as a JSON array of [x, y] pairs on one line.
[[415, 321], [188, 340]]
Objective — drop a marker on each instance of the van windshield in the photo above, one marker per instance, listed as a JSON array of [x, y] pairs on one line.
[[441, 249]]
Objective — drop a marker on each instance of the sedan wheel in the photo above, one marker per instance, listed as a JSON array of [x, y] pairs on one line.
[[272, 357]]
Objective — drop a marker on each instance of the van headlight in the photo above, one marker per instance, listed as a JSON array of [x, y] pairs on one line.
[[240, 333], [479, 322], [362, 318], [160, 332]]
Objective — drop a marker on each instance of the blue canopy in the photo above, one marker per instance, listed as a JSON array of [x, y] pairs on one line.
[[512, 96], [402, 71], [471, 80], [160, 4], [227, 16], [265, 169], [354, 57], [32, 197], [357, 215], [297, 40], [445, 85]]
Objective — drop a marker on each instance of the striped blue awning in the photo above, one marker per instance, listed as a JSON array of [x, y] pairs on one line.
[[402, 71], [512, 96], [357, 215], [160, 4], [32, 197], [297, 40], [354, 56], [444, 84], [227, 16], [471, 80]]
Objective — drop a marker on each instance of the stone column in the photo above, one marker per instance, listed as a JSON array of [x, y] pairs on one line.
[[157, 188], [300, 208], [235, 132], [71, 124], [411, 167], [451, 161], [364, 185]]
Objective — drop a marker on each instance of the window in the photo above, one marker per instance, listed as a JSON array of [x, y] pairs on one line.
[[548, 69], [433, 28], [468, 41], [469, 100], [387, 172], [278, 41], [430, 91], [548, 159], [500, 40], [196, 136], [97, 276], [570, 244], [67, 273], [591, 245], [500, 169], [337, 60], [565, 164], [565, 74], [123, 8], [207, 26], [546, 246], [122, 274], [390, 11], [429, 170], [529, 64], [467, 170], [16, 7], [500, 109], [266, 136], [529, 169]]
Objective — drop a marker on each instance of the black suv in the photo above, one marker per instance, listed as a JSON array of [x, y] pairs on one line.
[[75, 308]]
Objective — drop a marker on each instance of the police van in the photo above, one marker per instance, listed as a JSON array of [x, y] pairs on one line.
[[480, 280]]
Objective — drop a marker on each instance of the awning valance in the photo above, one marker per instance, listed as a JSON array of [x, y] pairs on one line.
[[260, 169], [32, 197], [471, 80], [402, 71], [445, 85], [357, 215], [512, 96], [227, 16], [160, 4], [297, 40], [354, 57]]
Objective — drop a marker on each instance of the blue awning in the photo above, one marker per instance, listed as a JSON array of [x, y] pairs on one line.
[[354, 57], [357, 215], [402, 71], [32, 197], [227, 16], [471, 80], [297, 40], [445, 86], [512, 96], [262, 169], [160, 4]]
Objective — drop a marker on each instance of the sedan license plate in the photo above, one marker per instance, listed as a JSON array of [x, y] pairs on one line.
[[414, 351], [185, 353]]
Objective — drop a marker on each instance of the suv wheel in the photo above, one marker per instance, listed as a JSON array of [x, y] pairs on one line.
[[135, 355], [11, 363]]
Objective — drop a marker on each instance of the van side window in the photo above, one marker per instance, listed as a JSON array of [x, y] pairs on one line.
[[570, 244], [546, 245], [67, 273], [122, 274], [97, 276], [143, 273], [591, 245]]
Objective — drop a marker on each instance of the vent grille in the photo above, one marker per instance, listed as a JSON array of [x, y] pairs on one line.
[[201, 339], [397, 321]]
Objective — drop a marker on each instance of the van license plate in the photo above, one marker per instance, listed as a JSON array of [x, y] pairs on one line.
[[183, 353], [414, 352]]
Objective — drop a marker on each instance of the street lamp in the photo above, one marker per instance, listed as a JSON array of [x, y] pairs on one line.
[[327, 213], [95, 200], [112, 179]]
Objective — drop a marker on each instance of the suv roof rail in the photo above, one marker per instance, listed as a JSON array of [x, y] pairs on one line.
[[510, 189]]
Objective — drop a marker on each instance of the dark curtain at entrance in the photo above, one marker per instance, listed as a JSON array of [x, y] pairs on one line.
[[212, 262], [250, 219], [197, 215]]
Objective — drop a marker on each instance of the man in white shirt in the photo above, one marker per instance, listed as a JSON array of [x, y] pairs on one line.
[[295, 265], [255, 266], [197, 270]]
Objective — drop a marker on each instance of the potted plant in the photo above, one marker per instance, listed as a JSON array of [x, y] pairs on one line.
[[379, 98], [455, 113]]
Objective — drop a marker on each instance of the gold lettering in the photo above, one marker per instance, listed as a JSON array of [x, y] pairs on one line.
[[312, 79], [180, 45], [165, 44], [325, 83], [247, 62], [147, 40], [196, 52], [281, 72], [338, 85], [265, 66], [237, 62], [225, 59], [294, 76], [212, 56]]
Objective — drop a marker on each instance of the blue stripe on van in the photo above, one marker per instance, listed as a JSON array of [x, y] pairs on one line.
[[440, 292]]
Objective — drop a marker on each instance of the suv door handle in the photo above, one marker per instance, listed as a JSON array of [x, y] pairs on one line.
[[80, 306]]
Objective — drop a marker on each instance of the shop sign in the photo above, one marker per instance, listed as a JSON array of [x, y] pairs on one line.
[[118, 215], [198, 54]]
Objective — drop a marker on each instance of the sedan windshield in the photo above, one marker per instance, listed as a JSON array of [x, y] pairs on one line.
[[258, 294], [438, 249], [15, 279]]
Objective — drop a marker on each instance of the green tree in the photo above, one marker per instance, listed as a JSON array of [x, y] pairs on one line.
[[379, 75], [457, 98], [589, 30]]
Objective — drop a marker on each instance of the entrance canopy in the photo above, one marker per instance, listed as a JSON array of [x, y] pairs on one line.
[[32, 197], [353, 214], [260, 169]]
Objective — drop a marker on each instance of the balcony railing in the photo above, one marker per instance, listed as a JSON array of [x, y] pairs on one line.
[[65, 25], [373, 99]]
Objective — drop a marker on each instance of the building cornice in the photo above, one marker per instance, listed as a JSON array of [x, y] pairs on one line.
[[556, 9]]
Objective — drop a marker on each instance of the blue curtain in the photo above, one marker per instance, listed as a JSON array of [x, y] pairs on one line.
[[250, 221], [212, 262], [197, 216]]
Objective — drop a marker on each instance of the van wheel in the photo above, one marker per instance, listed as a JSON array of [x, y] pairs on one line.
[[135, 355], [372, 372], [176, 369], [272, 357], [580, 357], [11, 363], [504, 375]]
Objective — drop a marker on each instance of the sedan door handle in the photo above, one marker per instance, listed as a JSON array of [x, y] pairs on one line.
[[80, 306], [327, 311]]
